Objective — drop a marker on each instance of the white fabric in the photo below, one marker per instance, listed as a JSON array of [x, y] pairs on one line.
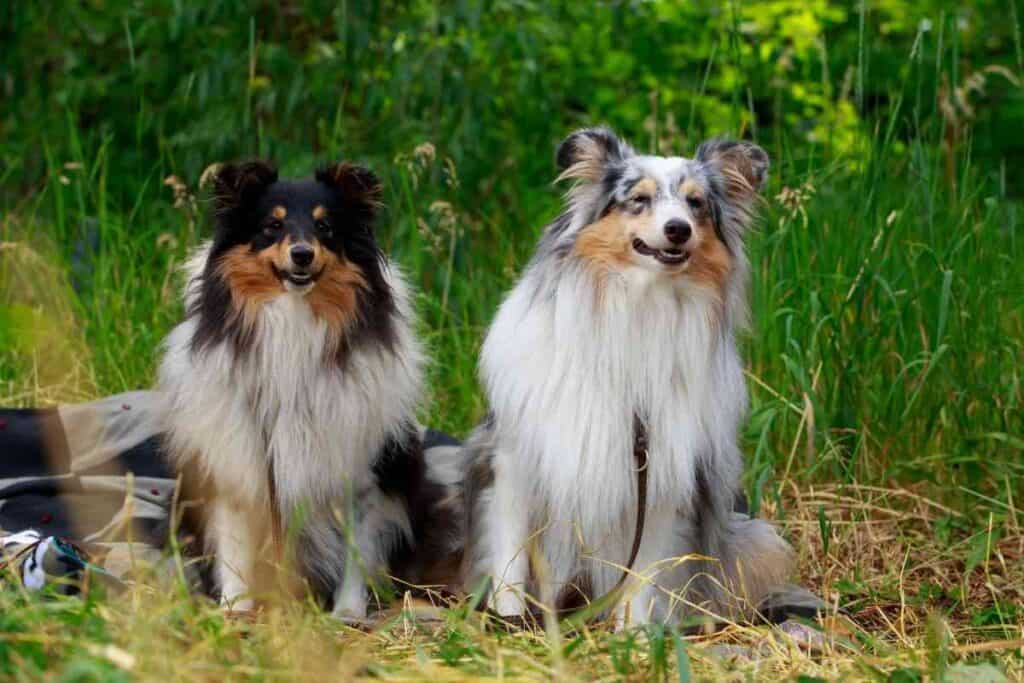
[[27, 537], [32, 574]]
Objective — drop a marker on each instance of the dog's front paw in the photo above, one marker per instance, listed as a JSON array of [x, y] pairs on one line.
[[238, 606], [352, 613], [350, 604], [358, 622], [506, 602]]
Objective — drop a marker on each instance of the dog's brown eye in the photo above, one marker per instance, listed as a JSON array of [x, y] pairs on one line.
[[324, 229], [639, 202], [272, 227], [696, 203]]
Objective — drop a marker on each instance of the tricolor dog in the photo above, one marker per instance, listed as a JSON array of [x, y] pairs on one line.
[[290, 392]]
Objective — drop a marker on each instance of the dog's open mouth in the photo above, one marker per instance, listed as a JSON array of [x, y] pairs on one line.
[[673, 256], [297, 278]]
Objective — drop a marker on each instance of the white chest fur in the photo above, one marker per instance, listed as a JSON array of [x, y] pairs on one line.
[[565, 375], [284, 405]]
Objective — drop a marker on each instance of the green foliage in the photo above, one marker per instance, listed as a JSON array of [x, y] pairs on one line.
[[905, 676], [887, 296]]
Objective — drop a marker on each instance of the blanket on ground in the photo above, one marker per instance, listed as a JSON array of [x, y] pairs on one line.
[[88, 480]]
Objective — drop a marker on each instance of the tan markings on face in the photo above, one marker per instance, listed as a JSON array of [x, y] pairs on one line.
[[691, 188], [710, 262], [646, 186], [278, 253], [335, 296], [607, 243], [322, 257], [250, 279], [279, 212], [319, 213]]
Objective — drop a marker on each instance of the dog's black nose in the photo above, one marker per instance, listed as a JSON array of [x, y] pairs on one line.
[[302, 255], [678, 231]]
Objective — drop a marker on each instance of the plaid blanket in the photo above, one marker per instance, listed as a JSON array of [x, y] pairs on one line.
[[65, 471], [84, 486]]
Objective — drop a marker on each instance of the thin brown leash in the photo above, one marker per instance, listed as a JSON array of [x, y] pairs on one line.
[[640, 457], [575, 617]]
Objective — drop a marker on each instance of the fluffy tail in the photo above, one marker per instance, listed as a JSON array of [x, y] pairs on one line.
[[437, 518]]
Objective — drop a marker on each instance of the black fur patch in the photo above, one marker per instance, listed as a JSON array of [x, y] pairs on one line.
[[703, 503], [212, 310], [401, 472], [237, 185], [571, 151], [400, 467], [714, 198], [612, 177]]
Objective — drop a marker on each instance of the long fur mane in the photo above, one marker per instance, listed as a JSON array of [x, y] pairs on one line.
[[574, 353]]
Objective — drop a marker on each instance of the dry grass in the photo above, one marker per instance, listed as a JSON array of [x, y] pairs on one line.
[[921, 594], [910, 605]]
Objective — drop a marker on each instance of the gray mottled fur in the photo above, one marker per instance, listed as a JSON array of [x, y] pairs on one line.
[[550, 472]]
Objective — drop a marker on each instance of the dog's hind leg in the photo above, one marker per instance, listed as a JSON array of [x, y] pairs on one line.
[[755, 560], [727, 565]]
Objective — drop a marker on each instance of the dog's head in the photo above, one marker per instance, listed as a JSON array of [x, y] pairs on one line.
[[312, 239], [673, 216], [296, 230]]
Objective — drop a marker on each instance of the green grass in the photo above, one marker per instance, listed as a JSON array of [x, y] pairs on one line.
[[884, 357]]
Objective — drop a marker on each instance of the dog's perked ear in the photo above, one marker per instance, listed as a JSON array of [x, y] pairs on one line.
[[236, 185], [586, 153], [743, 166], [359, 189]]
